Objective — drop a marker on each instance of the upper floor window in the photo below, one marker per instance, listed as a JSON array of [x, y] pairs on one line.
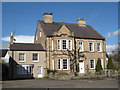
[[35, 56], [80, 46], [92, 64], [52, 45], [70, 44], [91, 46], [59, 44], [64, 44], [99, 47], [21, 57]]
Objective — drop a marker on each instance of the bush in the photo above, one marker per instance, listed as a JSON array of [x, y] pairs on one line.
[[98, 66], [51, 71], [110, 64]]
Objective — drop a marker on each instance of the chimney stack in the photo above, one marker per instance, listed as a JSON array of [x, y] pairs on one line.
[[81, 22], [11, 38], [47, 17]]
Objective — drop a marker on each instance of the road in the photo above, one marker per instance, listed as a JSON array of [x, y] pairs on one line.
[[43, 83]]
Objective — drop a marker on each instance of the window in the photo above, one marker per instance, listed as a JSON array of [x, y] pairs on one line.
[[64, 44], [36, 38], [59, 64], [80, 46], [70, 44], [65, 64], [21, 57], [101, 60], [59, 44], [24, 69], [53, 64], [52, 45], [35, 56], [92, 64], [40, 33], [99, 48], [91, 46]]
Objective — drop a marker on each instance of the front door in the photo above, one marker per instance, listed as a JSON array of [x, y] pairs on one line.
[[81, 67], [39, 71]]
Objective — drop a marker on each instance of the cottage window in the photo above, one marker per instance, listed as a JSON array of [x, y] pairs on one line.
[[99, 48], [92, 64], [91, 47], [35, 56], [65, 64], [80, 46], [21, 57], [24, 69]]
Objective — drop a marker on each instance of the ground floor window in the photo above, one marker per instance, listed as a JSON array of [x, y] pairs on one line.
[[92, 64], [24, 69], [63, 64]]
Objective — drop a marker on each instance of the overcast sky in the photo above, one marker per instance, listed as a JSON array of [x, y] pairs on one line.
[[23, 17]]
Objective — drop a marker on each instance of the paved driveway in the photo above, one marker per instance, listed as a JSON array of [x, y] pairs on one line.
[[43, 83]]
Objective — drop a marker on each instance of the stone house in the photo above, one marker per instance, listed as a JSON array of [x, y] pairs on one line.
[[64, 47]]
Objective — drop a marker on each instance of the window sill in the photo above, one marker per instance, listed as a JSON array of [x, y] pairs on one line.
[[36, 61], [21, 61]]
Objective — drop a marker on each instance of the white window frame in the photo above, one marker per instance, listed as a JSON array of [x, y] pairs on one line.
[[102, 63], [67, 63], [53, 64], [81, 49], [99, 47], [52, 45], [92, 46], [35, 60], [22, 69], [66, 44], [40, 33], [36, 38], [70, 44], [24, 57], [59, 44], [58, 64], [90, 63]]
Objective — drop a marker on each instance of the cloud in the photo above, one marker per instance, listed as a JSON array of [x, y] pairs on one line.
[[20, 39], [111, 48], [112, 34]]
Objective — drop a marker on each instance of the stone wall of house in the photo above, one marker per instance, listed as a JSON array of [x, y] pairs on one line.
[[28, 61]]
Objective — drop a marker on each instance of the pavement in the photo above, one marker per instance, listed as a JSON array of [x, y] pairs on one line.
[[46, 83]]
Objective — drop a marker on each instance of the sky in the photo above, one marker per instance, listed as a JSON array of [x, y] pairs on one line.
[[22, 18]]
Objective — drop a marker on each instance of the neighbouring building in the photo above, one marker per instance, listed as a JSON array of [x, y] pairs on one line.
[[60, 46]]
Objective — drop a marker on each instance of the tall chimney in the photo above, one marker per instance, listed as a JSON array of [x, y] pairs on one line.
[[11, 38], [47, 17], [81, 22]]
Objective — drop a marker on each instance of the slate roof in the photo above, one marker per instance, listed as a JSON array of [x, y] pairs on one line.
[[3, 52], [79, 31], [26, 47]]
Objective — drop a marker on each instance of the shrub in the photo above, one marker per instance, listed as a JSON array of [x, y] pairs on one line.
[[98, 66], [51, 71], [110, 64]]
